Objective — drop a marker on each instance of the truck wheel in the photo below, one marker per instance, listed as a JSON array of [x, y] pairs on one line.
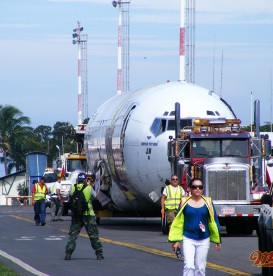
[[164, 226]]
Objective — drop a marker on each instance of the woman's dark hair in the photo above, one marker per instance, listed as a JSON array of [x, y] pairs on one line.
[[194, 179]]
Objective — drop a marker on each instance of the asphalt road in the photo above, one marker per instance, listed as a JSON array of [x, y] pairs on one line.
[[132, 246]]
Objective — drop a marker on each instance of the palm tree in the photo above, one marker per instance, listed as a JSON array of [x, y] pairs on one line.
[[14, 132]]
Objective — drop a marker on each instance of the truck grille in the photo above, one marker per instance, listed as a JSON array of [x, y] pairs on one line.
[[227, 184]]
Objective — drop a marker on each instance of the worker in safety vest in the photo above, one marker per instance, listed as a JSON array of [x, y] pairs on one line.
[[171, 199], [87, 219], [39, 192]]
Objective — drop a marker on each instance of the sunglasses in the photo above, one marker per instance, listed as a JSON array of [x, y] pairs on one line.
[[174, 178], [194, 187]]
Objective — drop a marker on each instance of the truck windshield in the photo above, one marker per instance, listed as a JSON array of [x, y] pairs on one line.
[[76, 164], [209, 148]]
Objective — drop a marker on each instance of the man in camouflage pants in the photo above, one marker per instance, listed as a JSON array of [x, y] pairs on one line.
[[88, 220]]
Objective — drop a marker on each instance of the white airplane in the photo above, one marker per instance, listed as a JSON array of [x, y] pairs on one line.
[[126, 139]]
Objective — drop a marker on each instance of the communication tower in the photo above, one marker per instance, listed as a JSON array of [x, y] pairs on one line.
[[190, 40], [123, 45], [81, 40]]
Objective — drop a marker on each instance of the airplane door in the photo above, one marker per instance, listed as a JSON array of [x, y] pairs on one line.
[[114, 145]]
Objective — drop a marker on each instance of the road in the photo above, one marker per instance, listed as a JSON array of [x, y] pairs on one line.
[[132, 246]]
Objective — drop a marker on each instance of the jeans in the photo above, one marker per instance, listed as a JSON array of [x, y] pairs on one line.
[[40, 211], [195, 256]]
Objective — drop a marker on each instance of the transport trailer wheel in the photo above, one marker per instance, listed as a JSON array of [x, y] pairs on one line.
[[164, 226]]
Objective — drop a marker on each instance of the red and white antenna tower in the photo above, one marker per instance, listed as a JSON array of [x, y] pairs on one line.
[[190, 40], [81, 40], [187, 41], [182, 76], [123, 45]]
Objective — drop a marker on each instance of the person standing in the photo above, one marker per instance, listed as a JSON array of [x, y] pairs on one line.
[[196, 224], [88, 220], [39, 192], [56, 201], [171, 199]]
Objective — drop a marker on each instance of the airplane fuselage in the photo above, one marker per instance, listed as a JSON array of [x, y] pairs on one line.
[[129, 135]]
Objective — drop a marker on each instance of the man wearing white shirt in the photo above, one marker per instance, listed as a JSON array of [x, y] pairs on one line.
[[56, 201]]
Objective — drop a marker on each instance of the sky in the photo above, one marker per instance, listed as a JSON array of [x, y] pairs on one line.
[[38, 62], [38, 68]]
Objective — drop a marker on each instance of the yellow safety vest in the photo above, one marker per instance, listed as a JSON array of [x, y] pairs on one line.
[[40, 192], [87, 195], [176, 230], [173, 198]]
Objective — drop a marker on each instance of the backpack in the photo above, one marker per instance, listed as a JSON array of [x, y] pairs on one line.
[[77, 202]]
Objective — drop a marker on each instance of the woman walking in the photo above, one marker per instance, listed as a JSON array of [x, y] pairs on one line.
[[196, 224]]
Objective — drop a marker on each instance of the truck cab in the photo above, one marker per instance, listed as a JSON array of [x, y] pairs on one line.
[[231, 164]]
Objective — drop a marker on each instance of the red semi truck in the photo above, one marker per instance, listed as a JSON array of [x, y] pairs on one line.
[[231, 164]]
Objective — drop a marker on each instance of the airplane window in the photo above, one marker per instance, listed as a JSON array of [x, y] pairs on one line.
[[158, 126], [171, 125], [217, 113], [166, 113], [172, 113], [209, 112], [183, 123]]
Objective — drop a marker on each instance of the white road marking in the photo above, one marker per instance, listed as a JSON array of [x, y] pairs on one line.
[[22, 264]]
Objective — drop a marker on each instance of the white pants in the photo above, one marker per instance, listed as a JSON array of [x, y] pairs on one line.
[[195, 256]]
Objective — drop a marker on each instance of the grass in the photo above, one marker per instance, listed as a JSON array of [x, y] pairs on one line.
[[6, 271]]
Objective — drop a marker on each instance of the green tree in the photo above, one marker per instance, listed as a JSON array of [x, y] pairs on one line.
[[14, 133], [43, 133], [64, 136]]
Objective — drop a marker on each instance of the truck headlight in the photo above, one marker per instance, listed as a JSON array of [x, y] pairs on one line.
[[257, 196]]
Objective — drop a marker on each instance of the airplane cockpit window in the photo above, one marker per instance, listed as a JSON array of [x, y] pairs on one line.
[[209, 112], [172, 113], [217, 113], [161, 125], [166, 113], [158, 126], [183, 123]]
